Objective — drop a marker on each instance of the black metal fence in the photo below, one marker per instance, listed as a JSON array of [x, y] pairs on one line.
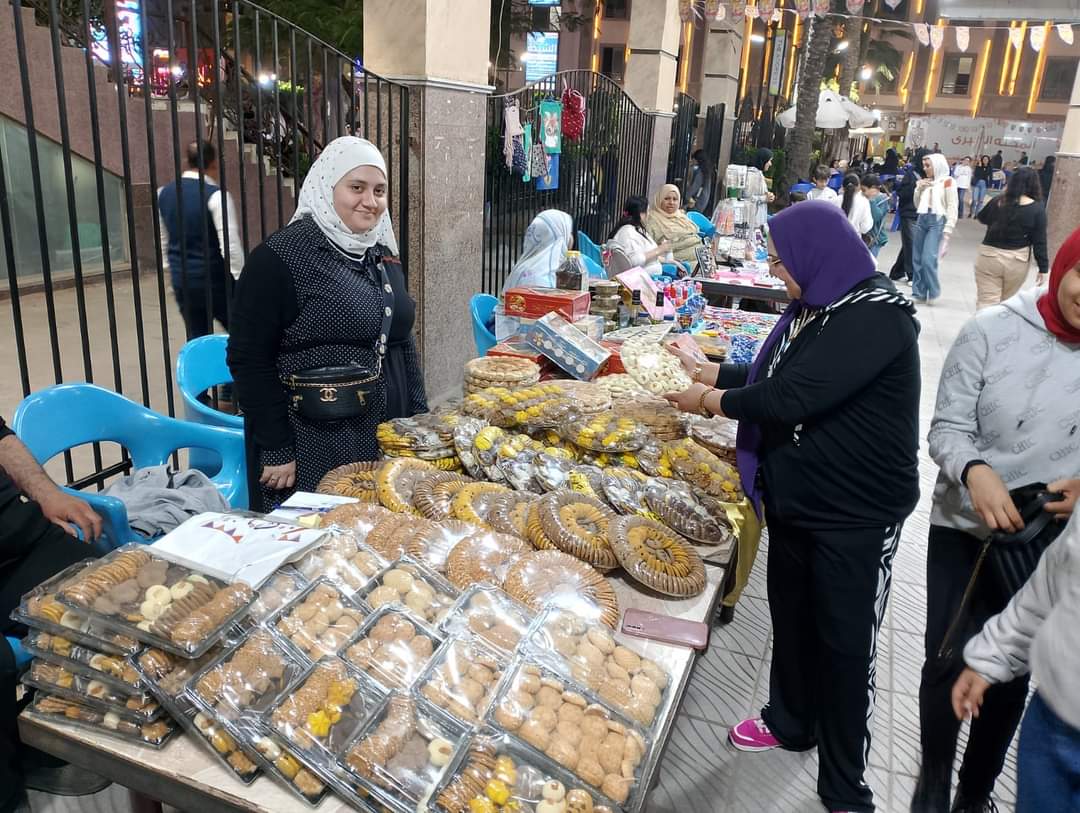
[[100, 117], [683, 133], [589, 179]]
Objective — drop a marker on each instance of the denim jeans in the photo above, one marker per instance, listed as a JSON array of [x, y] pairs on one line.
[[960, 194], [929, 231], [1048, 762], [978, 192]]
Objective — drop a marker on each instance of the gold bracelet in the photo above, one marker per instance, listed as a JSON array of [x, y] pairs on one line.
[[702, 409]]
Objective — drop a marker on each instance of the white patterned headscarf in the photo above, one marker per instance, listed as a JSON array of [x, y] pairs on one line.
[[340, 157]]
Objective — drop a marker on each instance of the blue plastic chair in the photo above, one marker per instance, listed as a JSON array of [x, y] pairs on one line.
[[596, 270], [802, 187], [589, 249], [836, 182], [22, 657], [482, 309], [201, 365], [705, 226], [59, 418]]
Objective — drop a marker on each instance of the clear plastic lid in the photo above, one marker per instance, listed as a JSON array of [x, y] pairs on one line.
[[281, 587], [489, 614], [551, 577], [393, 647], [408, 583], [461, 679], [484, 559], [432, 546], [168, 675], [319, 621]]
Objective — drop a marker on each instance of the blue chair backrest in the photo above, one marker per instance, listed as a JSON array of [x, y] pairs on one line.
[[801, 187], [66, 416], [836, 182], [22, 657], [201, 365], [590, 249], [482, 309], [596, 270], [705, 226]]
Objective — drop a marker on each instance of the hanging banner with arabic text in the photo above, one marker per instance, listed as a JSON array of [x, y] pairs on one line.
[[962, 135]]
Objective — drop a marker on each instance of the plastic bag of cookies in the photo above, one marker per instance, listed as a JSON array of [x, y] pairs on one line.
[[400, 753], [321, 713], [58, 681], [461, 679], [160, 603], [488, 613], [393, 647], [597, 744], [498, 773], [674, 503], [113, 670], [319, 621], [155, 734], [408, 583], [39, 609], [591, 655]]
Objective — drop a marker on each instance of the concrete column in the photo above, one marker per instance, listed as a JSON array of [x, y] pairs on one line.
[[651, 73], [1065, 193], [440, 49], [720, 79]]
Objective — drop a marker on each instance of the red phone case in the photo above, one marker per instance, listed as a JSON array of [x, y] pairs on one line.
[[665, 628]]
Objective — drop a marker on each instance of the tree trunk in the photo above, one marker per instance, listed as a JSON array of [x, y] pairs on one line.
[[853, 59], [818, 41]]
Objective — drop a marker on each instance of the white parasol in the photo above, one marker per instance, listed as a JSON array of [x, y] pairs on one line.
[[834, 111]]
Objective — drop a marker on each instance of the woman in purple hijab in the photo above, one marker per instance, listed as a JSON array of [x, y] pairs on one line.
[[827, 451]]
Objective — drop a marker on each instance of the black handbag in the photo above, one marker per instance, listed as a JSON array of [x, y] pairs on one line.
[[1012, 557], [340, 393]]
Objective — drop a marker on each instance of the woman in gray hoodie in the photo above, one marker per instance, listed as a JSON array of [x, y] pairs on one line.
[[1039, 632], [1008, 414]]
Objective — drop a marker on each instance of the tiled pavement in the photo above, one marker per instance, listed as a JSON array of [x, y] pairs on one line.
[[701, 772]]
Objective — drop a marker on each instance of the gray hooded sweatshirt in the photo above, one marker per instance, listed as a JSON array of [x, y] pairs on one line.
[[1009, 395], [1039, 630]]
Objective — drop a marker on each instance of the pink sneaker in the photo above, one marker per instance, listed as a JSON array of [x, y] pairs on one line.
[[753, 735]]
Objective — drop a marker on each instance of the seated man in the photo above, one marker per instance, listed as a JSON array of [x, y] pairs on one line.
[[38, 523]]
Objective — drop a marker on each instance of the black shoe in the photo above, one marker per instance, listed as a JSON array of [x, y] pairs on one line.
[[65, 780], [725, 615], [965, 805]]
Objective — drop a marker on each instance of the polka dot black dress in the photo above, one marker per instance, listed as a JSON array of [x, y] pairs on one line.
[[301, 303]]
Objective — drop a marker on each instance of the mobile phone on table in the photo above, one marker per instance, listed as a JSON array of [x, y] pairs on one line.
[[665, 628]]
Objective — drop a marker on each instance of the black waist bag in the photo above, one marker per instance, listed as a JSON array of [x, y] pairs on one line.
[[1012, 558]]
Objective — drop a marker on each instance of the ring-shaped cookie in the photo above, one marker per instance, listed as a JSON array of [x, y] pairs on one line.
[[578, 525], [397, 480], [433, 494], [351, 480]]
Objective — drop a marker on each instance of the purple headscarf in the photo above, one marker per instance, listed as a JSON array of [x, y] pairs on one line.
[[824, 254]]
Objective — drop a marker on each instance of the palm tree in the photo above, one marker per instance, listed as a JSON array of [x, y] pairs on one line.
[[886, 61], [811, 71]]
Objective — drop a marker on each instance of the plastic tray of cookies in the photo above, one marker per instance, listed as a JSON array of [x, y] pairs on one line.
[[154, 735], [589, 654], [342, 559], [392, 646], [57, 680], [493, 771], [320, 713], [157, 602], [201, 724], [281, 588], [461, 679], [491, 615], [318, 621], [39, 609], [113, 670], [409, 583], [280, 761], [167, 675], [566, 723], [400, 754]]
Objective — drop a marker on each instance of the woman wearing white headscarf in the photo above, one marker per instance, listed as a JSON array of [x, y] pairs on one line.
[[324, 300], [547, 240], [937, 203]]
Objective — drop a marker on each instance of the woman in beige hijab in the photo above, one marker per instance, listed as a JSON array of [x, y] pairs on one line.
[[667, 222]]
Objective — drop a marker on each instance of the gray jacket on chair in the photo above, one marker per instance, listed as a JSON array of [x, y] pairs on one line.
[[1009, 395], [1039, 631]]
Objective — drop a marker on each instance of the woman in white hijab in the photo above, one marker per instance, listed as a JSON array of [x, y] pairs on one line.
[[547, 240], [320, 345], [937, 204]]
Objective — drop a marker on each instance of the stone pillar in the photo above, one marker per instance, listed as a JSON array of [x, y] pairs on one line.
[[720, 80], [651, 73], [440, 49], [1065, 192]]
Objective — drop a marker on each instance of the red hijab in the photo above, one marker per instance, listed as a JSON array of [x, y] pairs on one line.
[[1067, 258]]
